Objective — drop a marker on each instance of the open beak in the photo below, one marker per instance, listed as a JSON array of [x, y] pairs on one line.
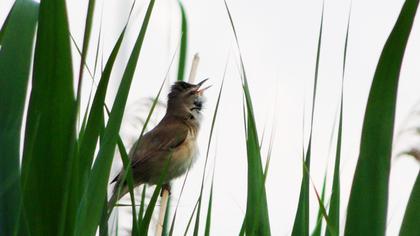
[[202, 82], [200, 91]]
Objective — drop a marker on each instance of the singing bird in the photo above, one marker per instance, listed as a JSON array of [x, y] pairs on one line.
[[173, 142]]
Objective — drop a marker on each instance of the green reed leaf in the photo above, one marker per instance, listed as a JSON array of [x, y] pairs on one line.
[[184, 43], [410, 225], [301, 223], [367, 213], [90, 208], [16, 39], [50, 126]]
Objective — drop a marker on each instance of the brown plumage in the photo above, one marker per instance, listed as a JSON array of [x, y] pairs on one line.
[[173, 138]]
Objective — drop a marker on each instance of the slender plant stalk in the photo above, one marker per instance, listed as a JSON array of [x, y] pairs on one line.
[[165, 193], [194, 67]]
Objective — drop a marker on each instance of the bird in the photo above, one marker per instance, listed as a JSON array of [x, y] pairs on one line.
[[170, 146]]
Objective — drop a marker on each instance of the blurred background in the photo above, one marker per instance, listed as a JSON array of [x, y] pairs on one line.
[[278, 42]]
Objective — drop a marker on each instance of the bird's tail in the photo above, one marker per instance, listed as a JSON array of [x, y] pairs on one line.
[[116, 195]]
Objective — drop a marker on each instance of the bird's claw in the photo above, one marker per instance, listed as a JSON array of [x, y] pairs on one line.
[[166, 187]]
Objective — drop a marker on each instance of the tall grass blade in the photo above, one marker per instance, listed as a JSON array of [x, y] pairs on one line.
[[367, 213], [318, 227], [16, 37], [213, 122], [144, 226], [257, 220], [165, 225], [93, 126], [191, 218], [171, 229], [98, 45], [142, 205], [334, 211], [83, 158], [90, 208], [95, 123], [50, 126], [6, 23], [86, 39], [103, 226], [321, 205], [209, 207], [184, 43], [79, 51], [410, 225], [128, 177], [323, 210], [301, 223]]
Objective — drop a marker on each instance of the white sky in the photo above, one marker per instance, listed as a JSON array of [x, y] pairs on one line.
[[278, 41]]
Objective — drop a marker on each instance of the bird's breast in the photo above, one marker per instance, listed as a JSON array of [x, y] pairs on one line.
[[184, 156]]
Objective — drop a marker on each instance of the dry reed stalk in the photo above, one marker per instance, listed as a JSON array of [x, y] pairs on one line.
[[165, 193]]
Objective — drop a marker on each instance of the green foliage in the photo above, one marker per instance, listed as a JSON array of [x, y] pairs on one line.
[[318, 227], [190, 219], [301, 223], [16, 35], [256, 217], [334, 211], [144, 226], [50, 135], [366, 213], [128, 177], [184, 43], [209, 207], [60, 188], [90, 209], [197, 219], [6, 23], [410, 225]]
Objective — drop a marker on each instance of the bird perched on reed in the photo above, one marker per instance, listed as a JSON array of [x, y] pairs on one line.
[[173, 142]]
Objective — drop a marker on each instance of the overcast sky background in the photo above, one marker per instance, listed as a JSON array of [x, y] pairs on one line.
[[278, 41]]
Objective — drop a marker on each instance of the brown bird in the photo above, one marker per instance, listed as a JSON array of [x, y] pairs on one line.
[[171, 143]]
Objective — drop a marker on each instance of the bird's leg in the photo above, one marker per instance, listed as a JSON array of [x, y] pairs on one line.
[[166, 187]]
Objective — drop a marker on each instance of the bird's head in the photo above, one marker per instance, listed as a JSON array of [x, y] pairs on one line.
[[186, 99]]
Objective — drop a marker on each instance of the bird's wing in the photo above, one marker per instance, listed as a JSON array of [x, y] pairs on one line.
[[155, 147], [162, 139]]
